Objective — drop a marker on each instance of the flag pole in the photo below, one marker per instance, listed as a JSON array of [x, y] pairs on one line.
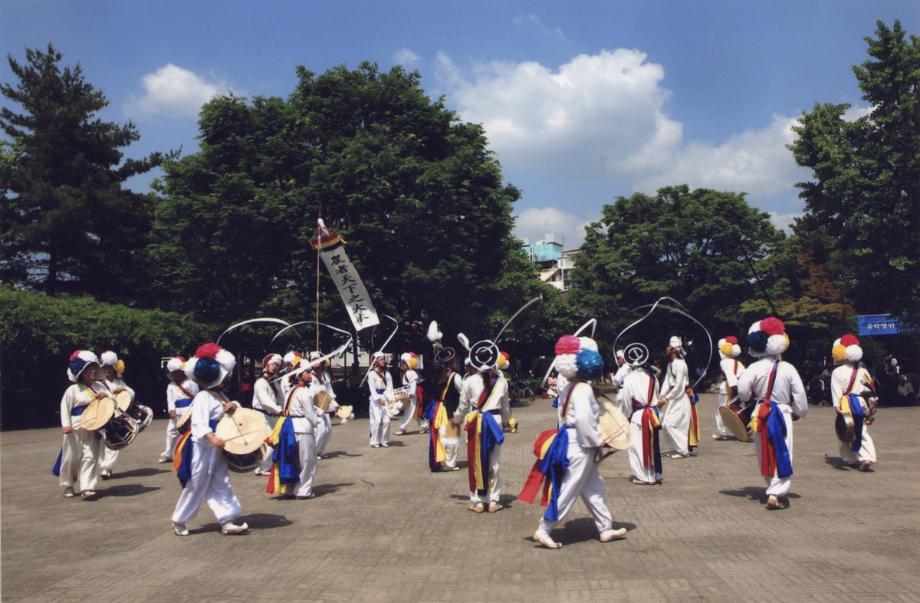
[[318, 248]]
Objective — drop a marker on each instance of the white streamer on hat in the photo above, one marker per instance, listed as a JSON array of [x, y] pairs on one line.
[[252, 321], [591, 323], [679, 310], [383, 347]]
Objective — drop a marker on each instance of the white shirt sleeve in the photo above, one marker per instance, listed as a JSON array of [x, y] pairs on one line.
[[67, 401], [797, 392], [266, 397], [172, 393]]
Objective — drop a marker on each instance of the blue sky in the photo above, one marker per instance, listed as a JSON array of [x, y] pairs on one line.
[[582, 101]]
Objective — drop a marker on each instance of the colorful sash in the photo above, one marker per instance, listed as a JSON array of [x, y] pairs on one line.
[[552, 451], [769, 422], [859, 419], [696, 432], [182, 454], [285, 471], [651, 426], [483, 434], [436, 415]]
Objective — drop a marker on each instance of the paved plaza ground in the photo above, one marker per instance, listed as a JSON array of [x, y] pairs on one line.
[[383, 528]]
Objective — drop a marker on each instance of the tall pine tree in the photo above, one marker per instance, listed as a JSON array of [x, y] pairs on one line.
[[67, 222]]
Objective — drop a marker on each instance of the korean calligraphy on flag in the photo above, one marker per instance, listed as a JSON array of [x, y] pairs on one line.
[[354, 295]]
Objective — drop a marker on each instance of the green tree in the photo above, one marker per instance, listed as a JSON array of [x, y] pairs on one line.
[[864, 194], [694, 246], [413, 190], [66, 220]]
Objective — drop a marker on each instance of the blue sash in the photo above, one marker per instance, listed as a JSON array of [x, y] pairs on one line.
[[183, 403], [491, 436], [554, 465], [184, 473], [286, 455], [776, 431], [859, 418]]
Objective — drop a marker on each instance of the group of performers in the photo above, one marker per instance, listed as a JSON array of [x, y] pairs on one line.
[[295, 397]]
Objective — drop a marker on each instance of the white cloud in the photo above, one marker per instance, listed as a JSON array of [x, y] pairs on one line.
[[596, 115], [535, 223], [173, 90], [405, 58], [531, 20], [783, 221], [754, 161]]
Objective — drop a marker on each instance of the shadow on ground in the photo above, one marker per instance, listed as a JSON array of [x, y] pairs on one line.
[[139, 472], [127, 490], [583, 529], [256, 521]]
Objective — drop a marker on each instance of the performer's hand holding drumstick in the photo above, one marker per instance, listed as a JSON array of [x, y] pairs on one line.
[[215, 441]]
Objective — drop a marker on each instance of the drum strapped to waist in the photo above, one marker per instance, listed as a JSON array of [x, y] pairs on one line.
[[243, 433], [116, 428], [612, 424], [844, 424], [393, 408], [736, 419], [322, 400], [184, 422]]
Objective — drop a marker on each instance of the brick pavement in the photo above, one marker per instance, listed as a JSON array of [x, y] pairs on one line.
[[383, 528]]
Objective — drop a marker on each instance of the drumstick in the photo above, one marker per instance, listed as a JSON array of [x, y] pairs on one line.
[[242, 435]]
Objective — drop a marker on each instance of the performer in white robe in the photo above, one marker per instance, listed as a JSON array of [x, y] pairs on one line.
[[577, 417], [81, 450], [305, 420], [380, 384], [179, 395], [115, 385], [780, 395], [641, 390], [731, 367], [266, 398], [675, 404], [207, 476], [322, 382], [484, 393], [851, 377], [618, 379], [407, 363]]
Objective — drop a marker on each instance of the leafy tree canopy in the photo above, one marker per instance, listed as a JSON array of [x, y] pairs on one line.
[[864, 195], [696, 246], [413, 190], [66, 221]]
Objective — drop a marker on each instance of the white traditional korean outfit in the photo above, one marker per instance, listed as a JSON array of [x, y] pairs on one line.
[[731, 368], [305, 420], [174, 394], [635, 391], [582, 479], [675, 416], [788, 393], [497, 404], [840, 379], [381, 391], [266, 398], [210, 479], [82, 450]]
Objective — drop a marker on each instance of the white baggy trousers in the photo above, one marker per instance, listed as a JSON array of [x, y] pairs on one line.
[[581, 480], [776, 486], [210, 482], [80, 456]]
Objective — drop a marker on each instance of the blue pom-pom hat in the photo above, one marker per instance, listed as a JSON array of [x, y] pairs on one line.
[[210, 365], [78, 362]]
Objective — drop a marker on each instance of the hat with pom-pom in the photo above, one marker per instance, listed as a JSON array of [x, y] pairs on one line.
[[767, 337], [108, 358], [409, 359], [729, 348], [78, 362], [175, 364], [846, 349], [504, 361], [578, 356], [210, 365]]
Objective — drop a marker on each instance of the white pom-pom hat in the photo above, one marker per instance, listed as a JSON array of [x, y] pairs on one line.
[[175, 364], [847, 349], [729, 348], [108, 358]]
